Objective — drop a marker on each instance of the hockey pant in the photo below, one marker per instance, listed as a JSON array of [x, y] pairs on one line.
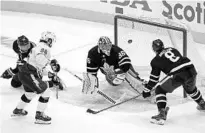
[[32, 83], [15, 82]]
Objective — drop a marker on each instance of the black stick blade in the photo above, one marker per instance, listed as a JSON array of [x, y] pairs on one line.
[[91, 111]]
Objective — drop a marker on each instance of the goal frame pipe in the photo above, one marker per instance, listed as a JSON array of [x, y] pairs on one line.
[[183, 30]]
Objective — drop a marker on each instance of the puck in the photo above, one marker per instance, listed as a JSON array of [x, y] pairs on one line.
[[129, 41]]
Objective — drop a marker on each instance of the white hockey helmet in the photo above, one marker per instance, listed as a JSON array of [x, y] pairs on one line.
[[48, 37]]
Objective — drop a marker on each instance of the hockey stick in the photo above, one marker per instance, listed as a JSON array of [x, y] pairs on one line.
[[132, 98], [108, 98], [56, 87], [132, 86]]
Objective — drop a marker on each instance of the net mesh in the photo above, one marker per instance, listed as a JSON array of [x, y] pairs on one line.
[[139, 48], [142, 35]]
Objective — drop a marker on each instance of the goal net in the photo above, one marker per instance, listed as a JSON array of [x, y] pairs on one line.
[[135, 36]]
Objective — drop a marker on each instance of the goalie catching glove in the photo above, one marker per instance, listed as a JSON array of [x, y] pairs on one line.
[[114, 77], [90, 83]]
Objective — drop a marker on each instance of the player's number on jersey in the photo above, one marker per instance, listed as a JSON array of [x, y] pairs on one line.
[[121, 54], [170, 55], [44, 51]]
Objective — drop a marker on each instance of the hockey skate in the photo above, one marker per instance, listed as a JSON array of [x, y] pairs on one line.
[[19, 112], [161, 117], [201, 106], [41, 118]]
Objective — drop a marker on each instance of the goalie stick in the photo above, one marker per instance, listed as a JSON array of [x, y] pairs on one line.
[[132, 98], [108, 98]]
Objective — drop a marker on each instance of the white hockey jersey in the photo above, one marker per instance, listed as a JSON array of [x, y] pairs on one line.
[[40, 57]]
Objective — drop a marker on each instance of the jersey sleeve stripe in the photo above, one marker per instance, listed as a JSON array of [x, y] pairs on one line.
[[180, 66], [165, 80], [160, 95], [146, 90], [126, 62], [154, 76], [92, 72], [125, 58], [154, 80], [161, 101], [92, 68], [10, 71]]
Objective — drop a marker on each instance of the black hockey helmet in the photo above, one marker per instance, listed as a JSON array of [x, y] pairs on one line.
[[22, 40], [157, 45], [23, 43], [105, 45]]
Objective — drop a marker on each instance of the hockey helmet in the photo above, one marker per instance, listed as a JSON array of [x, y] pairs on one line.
[[23, 44], [48, 37], [157, 45], [105, 45]]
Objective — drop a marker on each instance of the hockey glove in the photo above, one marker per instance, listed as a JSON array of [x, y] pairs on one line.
[[146, 92], [55, 66], [54, 78], [7, 74]]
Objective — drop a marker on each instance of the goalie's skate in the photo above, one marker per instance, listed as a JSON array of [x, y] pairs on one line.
[[41, 118], [19, 112], [201, 106], [161, 117]]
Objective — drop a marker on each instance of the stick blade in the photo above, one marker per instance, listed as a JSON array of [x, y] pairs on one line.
[[91, 111]]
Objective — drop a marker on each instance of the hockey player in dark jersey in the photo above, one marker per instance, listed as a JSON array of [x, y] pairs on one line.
[[22, 47], [180, 72], [112, 61]]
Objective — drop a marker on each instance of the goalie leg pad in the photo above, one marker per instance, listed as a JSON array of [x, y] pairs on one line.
[[134, 83], [90, 83]]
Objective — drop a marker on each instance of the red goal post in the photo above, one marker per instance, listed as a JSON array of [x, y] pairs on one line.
[[128, 28]]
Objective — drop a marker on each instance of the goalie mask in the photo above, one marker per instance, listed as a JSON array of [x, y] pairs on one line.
[[23, 44], [48, 37], [105, 45], [157, 46]]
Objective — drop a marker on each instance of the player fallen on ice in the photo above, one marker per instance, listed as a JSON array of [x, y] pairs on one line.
[[113, 62], [31, 73], [180, 72], [22, 47]]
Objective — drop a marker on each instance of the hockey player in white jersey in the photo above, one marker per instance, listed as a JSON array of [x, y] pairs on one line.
[[31, 73]]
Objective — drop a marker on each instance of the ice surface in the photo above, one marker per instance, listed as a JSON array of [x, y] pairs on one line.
[[74, 38]]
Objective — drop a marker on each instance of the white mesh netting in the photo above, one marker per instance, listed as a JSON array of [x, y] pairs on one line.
[[142, 35]]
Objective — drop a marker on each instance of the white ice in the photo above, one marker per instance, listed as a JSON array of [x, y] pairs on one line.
[[74, 38]]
